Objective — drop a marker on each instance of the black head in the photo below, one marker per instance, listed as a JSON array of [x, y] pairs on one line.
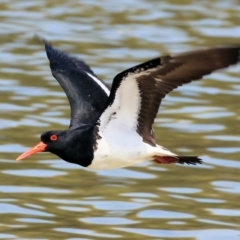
[[75, 146]]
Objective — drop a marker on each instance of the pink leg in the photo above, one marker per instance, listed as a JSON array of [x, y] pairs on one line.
[[165, 159]]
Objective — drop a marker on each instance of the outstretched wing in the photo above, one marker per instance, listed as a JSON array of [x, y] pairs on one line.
[[137, 92], [86, 93]]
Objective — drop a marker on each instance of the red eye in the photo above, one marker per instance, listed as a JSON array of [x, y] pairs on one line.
[[53, 137]]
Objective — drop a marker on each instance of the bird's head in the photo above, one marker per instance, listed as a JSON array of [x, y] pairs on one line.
[[70, 145], [51, 141]]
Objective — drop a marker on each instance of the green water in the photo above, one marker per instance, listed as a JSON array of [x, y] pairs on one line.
[[46, 198]]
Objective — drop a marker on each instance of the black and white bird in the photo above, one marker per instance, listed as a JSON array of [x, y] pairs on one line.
[[113, 128]]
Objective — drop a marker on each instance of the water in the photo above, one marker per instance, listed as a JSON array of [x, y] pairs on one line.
[[47, 198]]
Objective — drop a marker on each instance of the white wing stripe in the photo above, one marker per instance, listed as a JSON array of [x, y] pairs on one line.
[[124, 111], [99, 83]]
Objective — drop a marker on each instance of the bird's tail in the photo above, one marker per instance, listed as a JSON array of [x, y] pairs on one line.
[[190, 160]]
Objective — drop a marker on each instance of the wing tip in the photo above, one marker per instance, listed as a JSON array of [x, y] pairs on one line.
[[51, 52], [48, 48], [41, 40]]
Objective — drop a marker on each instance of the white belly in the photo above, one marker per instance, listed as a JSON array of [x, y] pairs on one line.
[[121, 152]]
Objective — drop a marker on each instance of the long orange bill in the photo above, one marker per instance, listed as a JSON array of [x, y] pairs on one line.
[[40, 147]]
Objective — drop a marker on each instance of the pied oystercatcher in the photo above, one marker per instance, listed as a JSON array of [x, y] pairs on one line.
[[113, 128]]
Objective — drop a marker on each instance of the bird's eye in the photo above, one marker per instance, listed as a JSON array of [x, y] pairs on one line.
[[53, 137]]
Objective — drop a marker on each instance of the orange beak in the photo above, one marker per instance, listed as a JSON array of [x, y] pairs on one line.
[[40, 147]]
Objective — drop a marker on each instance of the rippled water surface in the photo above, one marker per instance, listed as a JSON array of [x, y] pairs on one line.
[[46, 198]]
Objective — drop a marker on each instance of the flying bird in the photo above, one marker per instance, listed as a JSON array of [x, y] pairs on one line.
[[113, 128]]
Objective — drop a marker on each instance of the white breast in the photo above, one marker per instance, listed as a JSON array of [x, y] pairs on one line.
[[115, 152], [126, 148]]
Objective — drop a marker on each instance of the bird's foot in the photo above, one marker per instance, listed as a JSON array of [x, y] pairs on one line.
[[165, 159]]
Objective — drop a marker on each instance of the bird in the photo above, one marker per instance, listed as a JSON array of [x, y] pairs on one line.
[[113, 128]]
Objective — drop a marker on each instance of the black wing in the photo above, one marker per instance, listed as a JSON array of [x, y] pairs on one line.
[[86, 93], [152, 80]]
